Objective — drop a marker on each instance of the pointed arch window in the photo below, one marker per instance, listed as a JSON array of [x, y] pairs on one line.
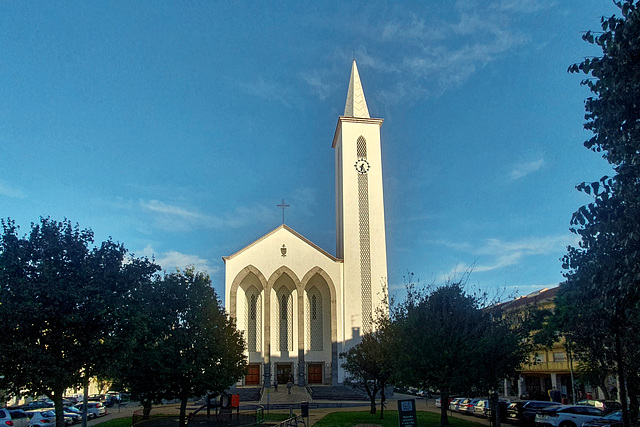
[[315, 322], [253, 317], [284, 324]]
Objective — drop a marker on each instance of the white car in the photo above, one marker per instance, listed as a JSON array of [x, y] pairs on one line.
[[47, 418], [94, 409], [567, 416], [13, 418]]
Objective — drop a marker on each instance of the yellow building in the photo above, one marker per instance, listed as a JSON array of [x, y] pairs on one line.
[[546, 369]]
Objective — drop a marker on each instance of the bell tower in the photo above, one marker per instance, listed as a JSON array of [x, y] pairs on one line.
[[360, 226]]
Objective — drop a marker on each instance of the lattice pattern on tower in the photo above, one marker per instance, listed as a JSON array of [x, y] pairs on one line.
[[284, 320], [365, 240], [314, 317], [253, 319], [361, 147]]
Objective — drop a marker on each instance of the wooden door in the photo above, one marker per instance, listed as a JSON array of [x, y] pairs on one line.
[[284, 374], [315, 373], [253, 374]]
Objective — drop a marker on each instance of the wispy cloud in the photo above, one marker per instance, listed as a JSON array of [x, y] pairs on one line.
[[495, 254], [175, 218], [163, 208], [268, 90], [523, 169], [171, 260], [430, 54], [319, 83], [8, 190], [522, 6]]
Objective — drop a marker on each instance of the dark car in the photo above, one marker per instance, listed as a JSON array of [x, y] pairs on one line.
[[37, 404], [524, 412], [503, 404], [614, 419]]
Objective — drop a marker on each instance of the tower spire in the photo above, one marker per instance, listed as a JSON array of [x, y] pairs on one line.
[[356, 105]]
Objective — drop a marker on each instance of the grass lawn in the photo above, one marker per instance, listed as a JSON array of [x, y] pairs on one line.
[[117, 422], [349, 419], [126, 421]]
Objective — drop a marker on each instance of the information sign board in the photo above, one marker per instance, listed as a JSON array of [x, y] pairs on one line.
[[407, 413]]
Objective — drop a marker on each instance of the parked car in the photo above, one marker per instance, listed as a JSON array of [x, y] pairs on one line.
[[614, 419], [605, 406], [13, 418], [503, 404], [482, 408], [454, 405], [19, 417], [37, 404], [524, 412], [48, 417], [468, 405], [108, 400], [94, 409], [567, 416]]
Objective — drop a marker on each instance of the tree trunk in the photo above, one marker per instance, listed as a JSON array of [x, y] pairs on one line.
[[372, 401], [85, 399], [382, 399], [623, 383], [183, 411], [56, 396], [146, 408], [632, 386], [444, 407]]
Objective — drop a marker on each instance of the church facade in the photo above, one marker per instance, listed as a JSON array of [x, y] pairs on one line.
[[298, 305]]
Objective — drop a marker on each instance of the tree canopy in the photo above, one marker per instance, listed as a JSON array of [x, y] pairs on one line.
[[70, 311], [62, 305], [187, 345], [603, 271], [450, 341], [371, 364]]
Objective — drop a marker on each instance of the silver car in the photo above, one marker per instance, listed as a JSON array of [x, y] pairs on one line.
[[14, 417], [567, 416], [94, 409]]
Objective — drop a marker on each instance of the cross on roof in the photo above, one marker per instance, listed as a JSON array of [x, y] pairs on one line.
[[283, 206]]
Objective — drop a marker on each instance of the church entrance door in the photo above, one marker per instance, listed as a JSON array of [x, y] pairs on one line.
[[284, 373], [315, 373], [253, 374]]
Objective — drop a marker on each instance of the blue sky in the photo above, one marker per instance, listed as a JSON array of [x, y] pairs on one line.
[[177, 127]]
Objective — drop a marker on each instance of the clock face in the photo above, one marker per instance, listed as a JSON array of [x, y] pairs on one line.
[[362, 166]]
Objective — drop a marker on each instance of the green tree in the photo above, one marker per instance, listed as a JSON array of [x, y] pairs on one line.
[[370, 365], [62, 305], [605, 267], [187, 347], [451, 342]]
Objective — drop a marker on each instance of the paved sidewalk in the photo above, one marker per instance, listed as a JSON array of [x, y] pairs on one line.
[[282, 396], [299, 394]]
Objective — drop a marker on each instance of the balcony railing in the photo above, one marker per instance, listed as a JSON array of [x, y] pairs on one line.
[[562, 366]]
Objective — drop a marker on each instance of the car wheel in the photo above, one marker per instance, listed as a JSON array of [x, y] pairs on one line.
[[567, 424]]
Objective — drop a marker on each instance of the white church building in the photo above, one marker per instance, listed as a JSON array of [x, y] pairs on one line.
[[298, 305]]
